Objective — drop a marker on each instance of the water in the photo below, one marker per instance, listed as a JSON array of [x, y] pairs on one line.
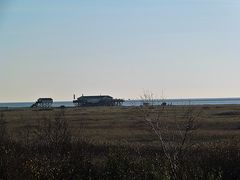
[[207, 101], [203, 101], [28, 104]]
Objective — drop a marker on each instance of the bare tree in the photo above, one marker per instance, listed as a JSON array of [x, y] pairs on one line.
[[147, 98], [174, 127]]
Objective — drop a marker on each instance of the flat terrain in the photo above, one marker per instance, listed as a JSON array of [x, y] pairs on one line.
[[121, 143], [127, 124]]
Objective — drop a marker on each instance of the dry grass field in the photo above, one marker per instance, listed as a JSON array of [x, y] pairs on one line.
[[126, 124], [160, 142]]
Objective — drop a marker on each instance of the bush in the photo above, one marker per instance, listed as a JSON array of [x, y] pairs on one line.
[[53, 132]]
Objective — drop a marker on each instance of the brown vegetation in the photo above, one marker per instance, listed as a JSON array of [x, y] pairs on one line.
[[127, 124], [121, 143]]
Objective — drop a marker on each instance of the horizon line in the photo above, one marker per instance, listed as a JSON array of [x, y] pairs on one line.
[[127, 99]]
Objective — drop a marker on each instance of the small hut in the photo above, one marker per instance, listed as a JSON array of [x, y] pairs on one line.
[[44, 103]]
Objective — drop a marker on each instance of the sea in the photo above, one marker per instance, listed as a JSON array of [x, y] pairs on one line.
[[129, 102]]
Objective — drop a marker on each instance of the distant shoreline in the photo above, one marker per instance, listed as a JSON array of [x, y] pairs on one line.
[[195, 101]]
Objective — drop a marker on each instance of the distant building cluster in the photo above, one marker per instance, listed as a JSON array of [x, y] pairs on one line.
[[83, 101]]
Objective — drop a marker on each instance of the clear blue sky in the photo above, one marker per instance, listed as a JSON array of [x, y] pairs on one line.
[[54, 48]]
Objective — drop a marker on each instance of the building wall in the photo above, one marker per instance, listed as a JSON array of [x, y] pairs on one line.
[[94, 100]]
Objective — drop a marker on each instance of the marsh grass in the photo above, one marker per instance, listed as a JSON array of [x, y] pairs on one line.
[[116, 143], [81, 160]]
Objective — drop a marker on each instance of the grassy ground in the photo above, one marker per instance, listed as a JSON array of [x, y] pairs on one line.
[[119, 143], [127, 125]]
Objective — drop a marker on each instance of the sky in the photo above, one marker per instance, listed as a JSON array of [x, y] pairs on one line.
[[172, 48]]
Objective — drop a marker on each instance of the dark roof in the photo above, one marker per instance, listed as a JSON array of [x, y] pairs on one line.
[[45, 99], [93, 97]]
